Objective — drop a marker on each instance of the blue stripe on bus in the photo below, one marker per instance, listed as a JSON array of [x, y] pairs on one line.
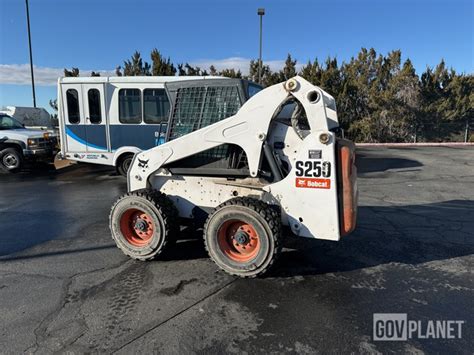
[[71, 134], [140, 136]]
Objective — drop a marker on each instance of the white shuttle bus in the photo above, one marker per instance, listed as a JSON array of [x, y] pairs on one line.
[[106, 120]]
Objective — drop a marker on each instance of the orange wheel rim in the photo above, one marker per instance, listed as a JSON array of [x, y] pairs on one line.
[[238, 240], [137, 227]]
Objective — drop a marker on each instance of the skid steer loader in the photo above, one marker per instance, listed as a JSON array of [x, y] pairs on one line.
[[275, 163]]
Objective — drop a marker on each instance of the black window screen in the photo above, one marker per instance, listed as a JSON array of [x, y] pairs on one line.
[[130, 106], [156, 106], [95, 115], [72, 98], [198, 107]]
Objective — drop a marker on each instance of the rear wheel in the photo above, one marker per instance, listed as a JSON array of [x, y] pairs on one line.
[[123, 164], [143, 223], [11, 159], [243, 236]]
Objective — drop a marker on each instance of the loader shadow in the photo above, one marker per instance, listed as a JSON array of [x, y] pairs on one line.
[[188, 246], [411, 234], [400, 234], [371, 163]]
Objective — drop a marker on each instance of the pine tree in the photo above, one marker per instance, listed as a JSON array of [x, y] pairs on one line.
[[231, 73], [136, 67], [189, 70], [74, 72], [289, 70], [213, 71], [160, 65], [312, 72]]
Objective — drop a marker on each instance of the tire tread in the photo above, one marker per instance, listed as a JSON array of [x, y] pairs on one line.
[[270, 213], [167, 210]]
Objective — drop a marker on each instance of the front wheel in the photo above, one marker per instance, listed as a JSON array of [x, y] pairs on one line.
[[11, 159], [143, 223], [243, 236]]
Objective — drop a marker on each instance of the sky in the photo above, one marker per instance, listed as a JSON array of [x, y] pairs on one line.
[[100, 34]]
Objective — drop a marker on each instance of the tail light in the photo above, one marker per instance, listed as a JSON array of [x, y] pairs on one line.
[[347, 186]]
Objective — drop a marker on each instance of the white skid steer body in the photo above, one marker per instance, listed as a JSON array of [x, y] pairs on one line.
[[309, 193]]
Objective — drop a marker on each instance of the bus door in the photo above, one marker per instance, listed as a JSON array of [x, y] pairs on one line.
[[74, 118], [95, 117]]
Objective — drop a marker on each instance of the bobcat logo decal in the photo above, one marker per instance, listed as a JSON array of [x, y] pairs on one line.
[[143, 163]]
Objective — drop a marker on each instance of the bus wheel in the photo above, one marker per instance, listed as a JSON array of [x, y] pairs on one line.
[[123, 164]]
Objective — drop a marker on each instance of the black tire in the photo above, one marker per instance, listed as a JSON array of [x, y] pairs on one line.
[[257, 223], [159, 217], [123, 164], [11, 159]]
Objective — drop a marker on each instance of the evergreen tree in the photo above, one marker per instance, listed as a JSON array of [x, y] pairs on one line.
[[266, 75], [136, 67], [378, 98], [160, 65], [312, 72], [188, 70], [71, 73], [213, 71], [231, 73], [289, 70]]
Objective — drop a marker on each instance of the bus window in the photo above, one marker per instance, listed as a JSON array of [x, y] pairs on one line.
[[130, 110], [72, 99], [156, 106], [93, 96]]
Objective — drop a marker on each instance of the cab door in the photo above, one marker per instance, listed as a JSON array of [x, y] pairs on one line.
[[74, 118], [95, 117]]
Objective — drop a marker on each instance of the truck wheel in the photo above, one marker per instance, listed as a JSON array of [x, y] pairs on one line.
[[143, 223], [123, 164], [243, 236], [11, 159]]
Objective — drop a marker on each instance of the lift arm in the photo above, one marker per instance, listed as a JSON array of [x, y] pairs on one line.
[[248, 128]]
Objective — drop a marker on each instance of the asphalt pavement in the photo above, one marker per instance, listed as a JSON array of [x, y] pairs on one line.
[[65, 287]]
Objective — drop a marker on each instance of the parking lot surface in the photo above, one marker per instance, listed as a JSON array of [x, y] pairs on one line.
[[64, 286]]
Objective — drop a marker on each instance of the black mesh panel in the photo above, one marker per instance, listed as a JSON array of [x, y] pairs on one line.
[[198, 107]]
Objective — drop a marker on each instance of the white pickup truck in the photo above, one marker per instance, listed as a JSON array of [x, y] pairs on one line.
[[18, 144]]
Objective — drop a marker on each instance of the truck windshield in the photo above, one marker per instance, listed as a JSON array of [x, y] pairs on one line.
[[7, 122]]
